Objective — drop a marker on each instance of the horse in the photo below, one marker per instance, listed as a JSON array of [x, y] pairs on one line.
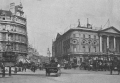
[[115, 66]]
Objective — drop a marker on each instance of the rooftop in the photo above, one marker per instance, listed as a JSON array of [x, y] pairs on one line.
[[5, 13]]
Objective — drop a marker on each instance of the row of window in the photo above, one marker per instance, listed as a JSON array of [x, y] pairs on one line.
[[13, 37], [85, 36], [14, 47], [89, 41], [89, 49], [12, 28], [15, 19], [84, 49]]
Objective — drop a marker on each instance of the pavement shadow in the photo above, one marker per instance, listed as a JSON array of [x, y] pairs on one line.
[[4, 77], [112, 74], [52, 76], [30, 75]]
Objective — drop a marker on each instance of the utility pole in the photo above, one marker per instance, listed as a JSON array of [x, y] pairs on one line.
[[8, 50], [48, 52]]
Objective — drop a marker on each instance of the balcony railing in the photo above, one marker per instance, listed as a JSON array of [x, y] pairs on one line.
[[11, 20], [16, 32]]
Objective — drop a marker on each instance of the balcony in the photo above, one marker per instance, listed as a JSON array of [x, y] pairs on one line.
[[11, 20], [15, 32]]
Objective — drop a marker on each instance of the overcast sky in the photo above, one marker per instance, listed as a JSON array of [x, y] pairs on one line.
[[45, 18]]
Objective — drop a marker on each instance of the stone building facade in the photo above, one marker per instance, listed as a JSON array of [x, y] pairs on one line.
[[81, 43], [13, 28]]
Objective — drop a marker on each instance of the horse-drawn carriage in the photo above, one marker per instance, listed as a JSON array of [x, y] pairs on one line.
[[115, 66], [53, 68]]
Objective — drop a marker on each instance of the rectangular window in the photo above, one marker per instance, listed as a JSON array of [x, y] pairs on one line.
[[3, 36], [83, 48], [74, 48], [74, 35], [77, 35], [89, 36], [83, 35], [80, 60], [94, 36], [95, 49], [89, 48], [4, 27]]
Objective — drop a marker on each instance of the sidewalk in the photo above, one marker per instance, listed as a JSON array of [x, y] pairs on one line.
[[64, 71], [31, 72], [28, 72]]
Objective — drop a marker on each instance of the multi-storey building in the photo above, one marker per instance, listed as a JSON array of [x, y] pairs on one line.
[[33, 55], [78, 44], [13, 28]]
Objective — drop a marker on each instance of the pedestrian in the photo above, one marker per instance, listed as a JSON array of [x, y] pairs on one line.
[[118, 67]]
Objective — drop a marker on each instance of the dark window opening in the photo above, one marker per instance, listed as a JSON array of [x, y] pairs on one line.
[[89, 36], [95, 49], [4, 18], [83, 35], [94, 36], [73, 35], [83, 46], [89, 49]]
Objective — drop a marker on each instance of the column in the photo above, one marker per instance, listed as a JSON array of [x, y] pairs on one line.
[[100, 43], [114, 43], [7, 36], [9, 70], [107, 41]]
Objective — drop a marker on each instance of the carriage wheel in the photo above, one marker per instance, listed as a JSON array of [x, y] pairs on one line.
[[59, 74], [46, 73]]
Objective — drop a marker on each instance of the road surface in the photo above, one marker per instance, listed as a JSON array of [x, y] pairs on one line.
[[68, 76]]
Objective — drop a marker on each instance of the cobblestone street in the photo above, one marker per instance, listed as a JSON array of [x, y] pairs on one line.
[[68, 76]]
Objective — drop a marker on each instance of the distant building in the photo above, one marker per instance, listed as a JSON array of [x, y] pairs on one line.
[[53, 49], [33, 55], [80, 43], [44, 59], [13, 28]]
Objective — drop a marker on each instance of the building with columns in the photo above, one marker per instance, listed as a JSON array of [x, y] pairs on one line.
[[82, 43], [13, 28], [109, 40]]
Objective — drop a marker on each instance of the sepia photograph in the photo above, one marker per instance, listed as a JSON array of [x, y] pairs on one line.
[[59, 41]]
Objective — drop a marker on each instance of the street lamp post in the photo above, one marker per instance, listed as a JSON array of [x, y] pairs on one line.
[[3, 69], [8, 49], [68, 57], [7, 56], [4, 59]]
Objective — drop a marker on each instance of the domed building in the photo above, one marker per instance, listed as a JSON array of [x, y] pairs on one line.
[[13, 31]]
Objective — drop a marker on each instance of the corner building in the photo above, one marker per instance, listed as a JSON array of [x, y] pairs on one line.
[[13, 29], [83, 43]]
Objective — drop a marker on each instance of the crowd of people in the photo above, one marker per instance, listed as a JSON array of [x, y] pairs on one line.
[[93, 65], [96, 65]]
